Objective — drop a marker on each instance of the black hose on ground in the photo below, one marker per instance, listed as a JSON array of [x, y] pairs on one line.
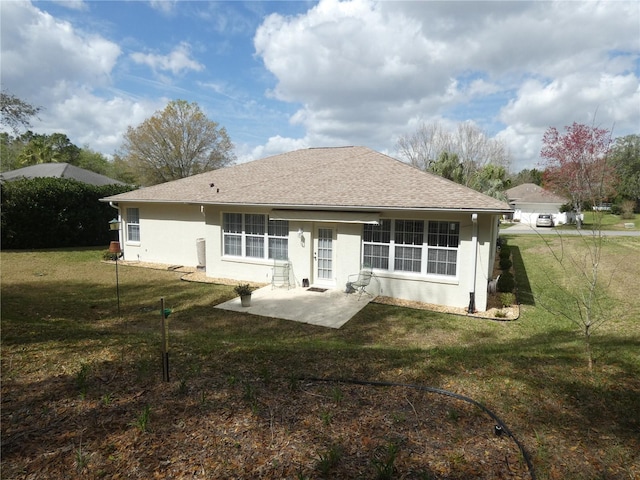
[[439, 391]]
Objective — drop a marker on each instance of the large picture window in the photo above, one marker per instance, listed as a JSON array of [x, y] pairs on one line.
[[133, 225], [401, 246], [253, 235]]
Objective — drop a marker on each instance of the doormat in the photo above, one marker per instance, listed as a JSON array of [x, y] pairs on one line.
[[316, 289]]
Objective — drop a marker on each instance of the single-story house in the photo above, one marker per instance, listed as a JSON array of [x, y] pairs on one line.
[[327, 212], [530, 200], [59, 170]]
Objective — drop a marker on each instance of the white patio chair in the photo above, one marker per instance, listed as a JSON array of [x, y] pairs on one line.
[[281, 274], [358, 282]]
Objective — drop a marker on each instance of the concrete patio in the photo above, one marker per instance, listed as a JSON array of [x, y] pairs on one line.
[[331, 308]]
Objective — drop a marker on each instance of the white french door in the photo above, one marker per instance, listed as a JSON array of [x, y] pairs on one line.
[[323, 245]]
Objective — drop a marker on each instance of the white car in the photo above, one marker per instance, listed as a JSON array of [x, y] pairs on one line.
[[544, 220]]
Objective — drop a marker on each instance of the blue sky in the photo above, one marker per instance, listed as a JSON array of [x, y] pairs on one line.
[[286, 75]]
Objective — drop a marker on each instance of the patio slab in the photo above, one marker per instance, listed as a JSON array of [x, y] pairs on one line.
[[331, 308]]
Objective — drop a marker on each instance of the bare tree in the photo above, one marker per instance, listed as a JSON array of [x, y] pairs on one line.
[[16, 112], [423, 147], [474, 149]]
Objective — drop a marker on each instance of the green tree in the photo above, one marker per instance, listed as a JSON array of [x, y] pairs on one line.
[[16, 113], [41, 148], [95, 162], [448, 166], [491, 180], [625, 159], [177, 142], [10, 149], [527, 176]]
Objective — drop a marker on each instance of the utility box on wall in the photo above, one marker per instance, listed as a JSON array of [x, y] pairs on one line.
[[202, 253]]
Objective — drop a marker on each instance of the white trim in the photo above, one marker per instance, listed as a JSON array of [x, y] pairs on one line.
[[325, 216]]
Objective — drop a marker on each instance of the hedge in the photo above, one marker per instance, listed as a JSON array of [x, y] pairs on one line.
[[55, 212]]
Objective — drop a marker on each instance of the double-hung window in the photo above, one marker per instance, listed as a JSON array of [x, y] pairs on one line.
[[133, 225], [404, 246], [376, 243], [278, 239], [409, 237], [442, 256], [253, 235]]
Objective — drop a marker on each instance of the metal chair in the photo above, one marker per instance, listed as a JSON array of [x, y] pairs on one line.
[[358, 282], [281, 274]]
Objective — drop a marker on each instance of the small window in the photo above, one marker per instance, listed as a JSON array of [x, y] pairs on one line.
[[133, 225]]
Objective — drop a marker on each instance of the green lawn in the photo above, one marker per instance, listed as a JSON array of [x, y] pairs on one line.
[[607, 221], [82, 392]]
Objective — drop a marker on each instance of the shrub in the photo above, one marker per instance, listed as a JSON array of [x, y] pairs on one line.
[[505, 251], [242, 289], [626, 210], [507, 299], [505, 263], [506, 282]]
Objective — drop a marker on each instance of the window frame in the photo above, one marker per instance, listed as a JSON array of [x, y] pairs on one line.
[[405, 247], [132, 221], [252, 236], [442, 243]]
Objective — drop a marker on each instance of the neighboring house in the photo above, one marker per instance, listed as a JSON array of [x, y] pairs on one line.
[[530, 200], [59, 170], [328, 211]]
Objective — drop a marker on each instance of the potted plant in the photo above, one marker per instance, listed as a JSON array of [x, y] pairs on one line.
[[243, 290]]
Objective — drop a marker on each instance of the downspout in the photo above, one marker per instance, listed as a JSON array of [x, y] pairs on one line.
[[474, 241]]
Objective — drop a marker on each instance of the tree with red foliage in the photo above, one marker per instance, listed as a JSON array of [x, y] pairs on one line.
[[577, 164], [578, 167]]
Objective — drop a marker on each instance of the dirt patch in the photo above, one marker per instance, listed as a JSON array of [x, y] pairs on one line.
[[510, 313]]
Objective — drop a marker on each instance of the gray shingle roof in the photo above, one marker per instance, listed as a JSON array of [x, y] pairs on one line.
[[355, 178], [532, 193], [59, 170]]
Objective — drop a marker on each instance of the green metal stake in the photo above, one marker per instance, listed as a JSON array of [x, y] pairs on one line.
[[164, 313]]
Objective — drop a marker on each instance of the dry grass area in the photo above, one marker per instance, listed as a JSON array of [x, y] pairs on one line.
[[83, 396]]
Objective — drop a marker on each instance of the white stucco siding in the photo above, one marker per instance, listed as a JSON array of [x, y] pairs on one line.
[[443, 290], [301, 251], [168, 234], [347, 245]]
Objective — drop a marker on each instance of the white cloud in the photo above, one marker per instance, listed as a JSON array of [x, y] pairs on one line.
[[44, 56], [365, 72], [94, 121], [164, 6], [176, 62], [79, 5], [51, 64], [274, 146]]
